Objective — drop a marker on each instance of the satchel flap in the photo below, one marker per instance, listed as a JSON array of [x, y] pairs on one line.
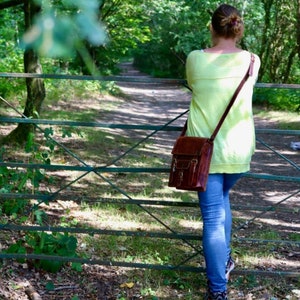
[[188, 145], [185, 164]]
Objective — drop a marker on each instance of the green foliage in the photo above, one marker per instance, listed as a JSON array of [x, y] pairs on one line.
[[179, 27], [295, 236], [17, 248], [51, 244], [40, 216], [250, 281], [64, 90], [11, 55], [29, 180], [127, 27], [280, 99], [158, 33], [14, 180], [175, 280], [50, 286], [56, 244], [18, 181], [277, 40], [173, 25], [12, 207], [59, 32]]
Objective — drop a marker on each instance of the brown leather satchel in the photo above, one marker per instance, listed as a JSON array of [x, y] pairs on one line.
[[191, 156]]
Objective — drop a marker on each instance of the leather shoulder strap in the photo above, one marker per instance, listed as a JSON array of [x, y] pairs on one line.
[[247, 75]]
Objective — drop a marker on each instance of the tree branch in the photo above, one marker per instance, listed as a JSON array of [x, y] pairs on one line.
[[10, 3], [32, 294]]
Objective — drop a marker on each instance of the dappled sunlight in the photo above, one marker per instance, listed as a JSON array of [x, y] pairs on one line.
[[78, 104], [192, 225], [274, 195], [292, 225], [112, 219], [271, 263]]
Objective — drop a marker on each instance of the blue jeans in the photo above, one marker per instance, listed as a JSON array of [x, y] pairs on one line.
[[217, 219]]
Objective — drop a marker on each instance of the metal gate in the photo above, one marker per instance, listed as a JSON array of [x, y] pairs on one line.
[[76, 187]]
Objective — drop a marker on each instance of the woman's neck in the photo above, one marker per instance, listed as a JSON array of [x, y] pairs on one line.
[[221, 45]]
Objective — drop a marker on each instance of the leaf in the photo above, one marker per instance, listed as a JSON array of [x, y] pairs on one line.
[[90, 29], [22, 182], [52, 36], [71, 244], [128, 285], [51, 265], [48, 132], [77, 266], [55, 34], [50, 286]]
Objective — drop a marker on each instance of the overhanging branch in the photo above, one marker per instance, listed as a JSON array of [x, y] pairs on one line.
[[10, 3]]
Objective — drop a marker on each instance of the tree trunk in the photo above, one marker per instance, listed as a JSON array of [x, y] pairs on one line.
[[265, 44], [35, 86], [298, 29]]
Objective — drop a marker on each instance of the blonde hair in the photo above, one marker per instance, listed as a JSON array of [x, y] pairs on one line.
[[227, 22]]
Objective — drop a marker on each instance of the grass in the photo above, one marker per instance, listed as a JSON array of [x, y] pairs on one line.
[[284, 119]]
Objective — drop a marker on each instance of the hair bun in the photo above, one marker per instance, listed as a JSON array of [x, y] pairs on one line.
[[234, 21], [227, 22], [231, 20]]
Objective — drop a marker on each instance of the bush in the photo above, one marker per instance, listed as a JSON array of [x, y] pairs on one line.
[[278, 99]]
